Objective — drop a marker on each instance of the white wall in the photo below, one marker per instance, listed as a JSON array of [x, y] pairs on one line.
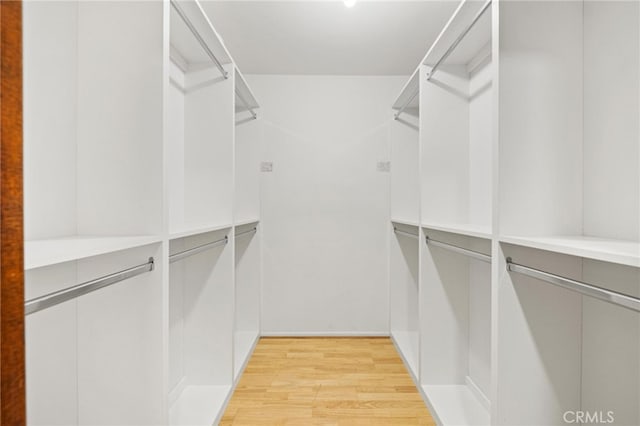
[[325, 207]]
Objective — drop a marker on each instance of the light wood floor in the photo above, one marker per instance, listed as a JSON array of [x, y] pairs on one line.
[[326, 381]]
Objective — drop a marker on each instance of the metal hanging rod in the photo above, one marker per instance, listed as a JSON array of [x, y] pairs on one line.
[[199, 38], [610, 296], [456, 249], [250, 231], [406, 104], [199, 249], [457, 41], [405, 233], [246, 105], [57, 297]]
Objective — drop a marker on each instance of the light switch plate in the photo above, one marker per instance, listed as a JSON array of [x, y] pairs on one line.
[[266, 167]]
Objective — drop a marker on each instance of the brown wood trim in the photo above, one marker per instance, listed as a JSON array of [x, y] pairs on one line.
[[12, 366]]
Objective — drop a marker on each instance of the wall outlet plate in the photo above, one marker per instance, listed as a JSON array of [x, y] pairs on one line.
[[266, 167], [384, 166]]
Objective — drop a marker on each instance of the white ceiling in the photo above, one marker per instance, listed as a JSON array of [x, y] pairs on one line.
[[325, 37]]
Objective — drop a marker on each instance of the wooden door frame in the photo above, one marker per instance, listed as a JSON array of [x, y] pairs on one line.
[[12, 363]]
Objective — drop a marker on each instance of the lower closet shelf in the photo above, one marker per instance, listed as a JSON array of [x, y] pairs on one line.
[[244, 342], [199, 405], [455, 405]]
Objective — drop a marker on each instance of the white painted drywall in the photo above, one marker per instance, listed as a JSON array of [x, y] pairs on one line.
[[325, 207]]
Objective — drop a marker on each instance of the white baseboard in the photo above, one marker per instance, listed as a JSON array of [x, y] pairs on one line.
[[324, 334]]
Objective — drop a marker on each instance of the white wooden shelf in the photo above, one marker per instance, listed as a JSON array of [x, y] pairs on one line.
[[244, 93], [244, 222], [407, 345], [243, 344], [406, 222], [467, 229], [199, 405], [41, 253], [409, 93], [455, 405], [186, 51], [474, 42], [606, 250], [198, 230]]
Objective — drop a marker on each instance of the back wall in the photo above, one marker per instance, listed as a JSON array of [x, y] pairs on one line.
[[325, 205]]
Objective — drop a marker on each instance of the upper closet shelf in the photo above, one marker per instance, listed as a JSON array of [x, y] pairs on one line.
[[195, 44], [245, 101], [606, 250], [244, 222], [40, 253], [406, 222], [469, 230], [465, 39], [198, 230], [409, 95]]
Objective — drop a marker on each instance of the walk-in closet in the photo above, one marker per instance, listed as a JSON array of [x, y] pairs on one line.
[[216, 193]]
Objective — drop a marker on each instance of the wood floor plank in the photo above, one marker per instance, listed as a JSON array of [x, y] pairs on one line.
[[326, 381]]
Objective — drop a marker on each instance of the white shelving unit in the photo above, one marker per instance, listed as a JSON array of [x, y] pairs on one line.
[[456, 120], [93, 207], [80, 352], [201, 313], [405, 215], [404, 141], [403, 294], [78, 133], [442, 182], [455, 327], [213, 187], [247, 294], [248, 249], [514, 148], [570, 203], [248, 152], [201, 124], [124, 164], [529, 155]]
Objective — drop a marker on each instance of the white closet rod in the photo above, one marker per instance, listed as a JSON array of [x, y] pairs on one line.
[[190, 252], [407, 234], [246, 105], [251, 231], [610, 296], [199, 38], [458, 40], [57, 297], [470, 253]]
